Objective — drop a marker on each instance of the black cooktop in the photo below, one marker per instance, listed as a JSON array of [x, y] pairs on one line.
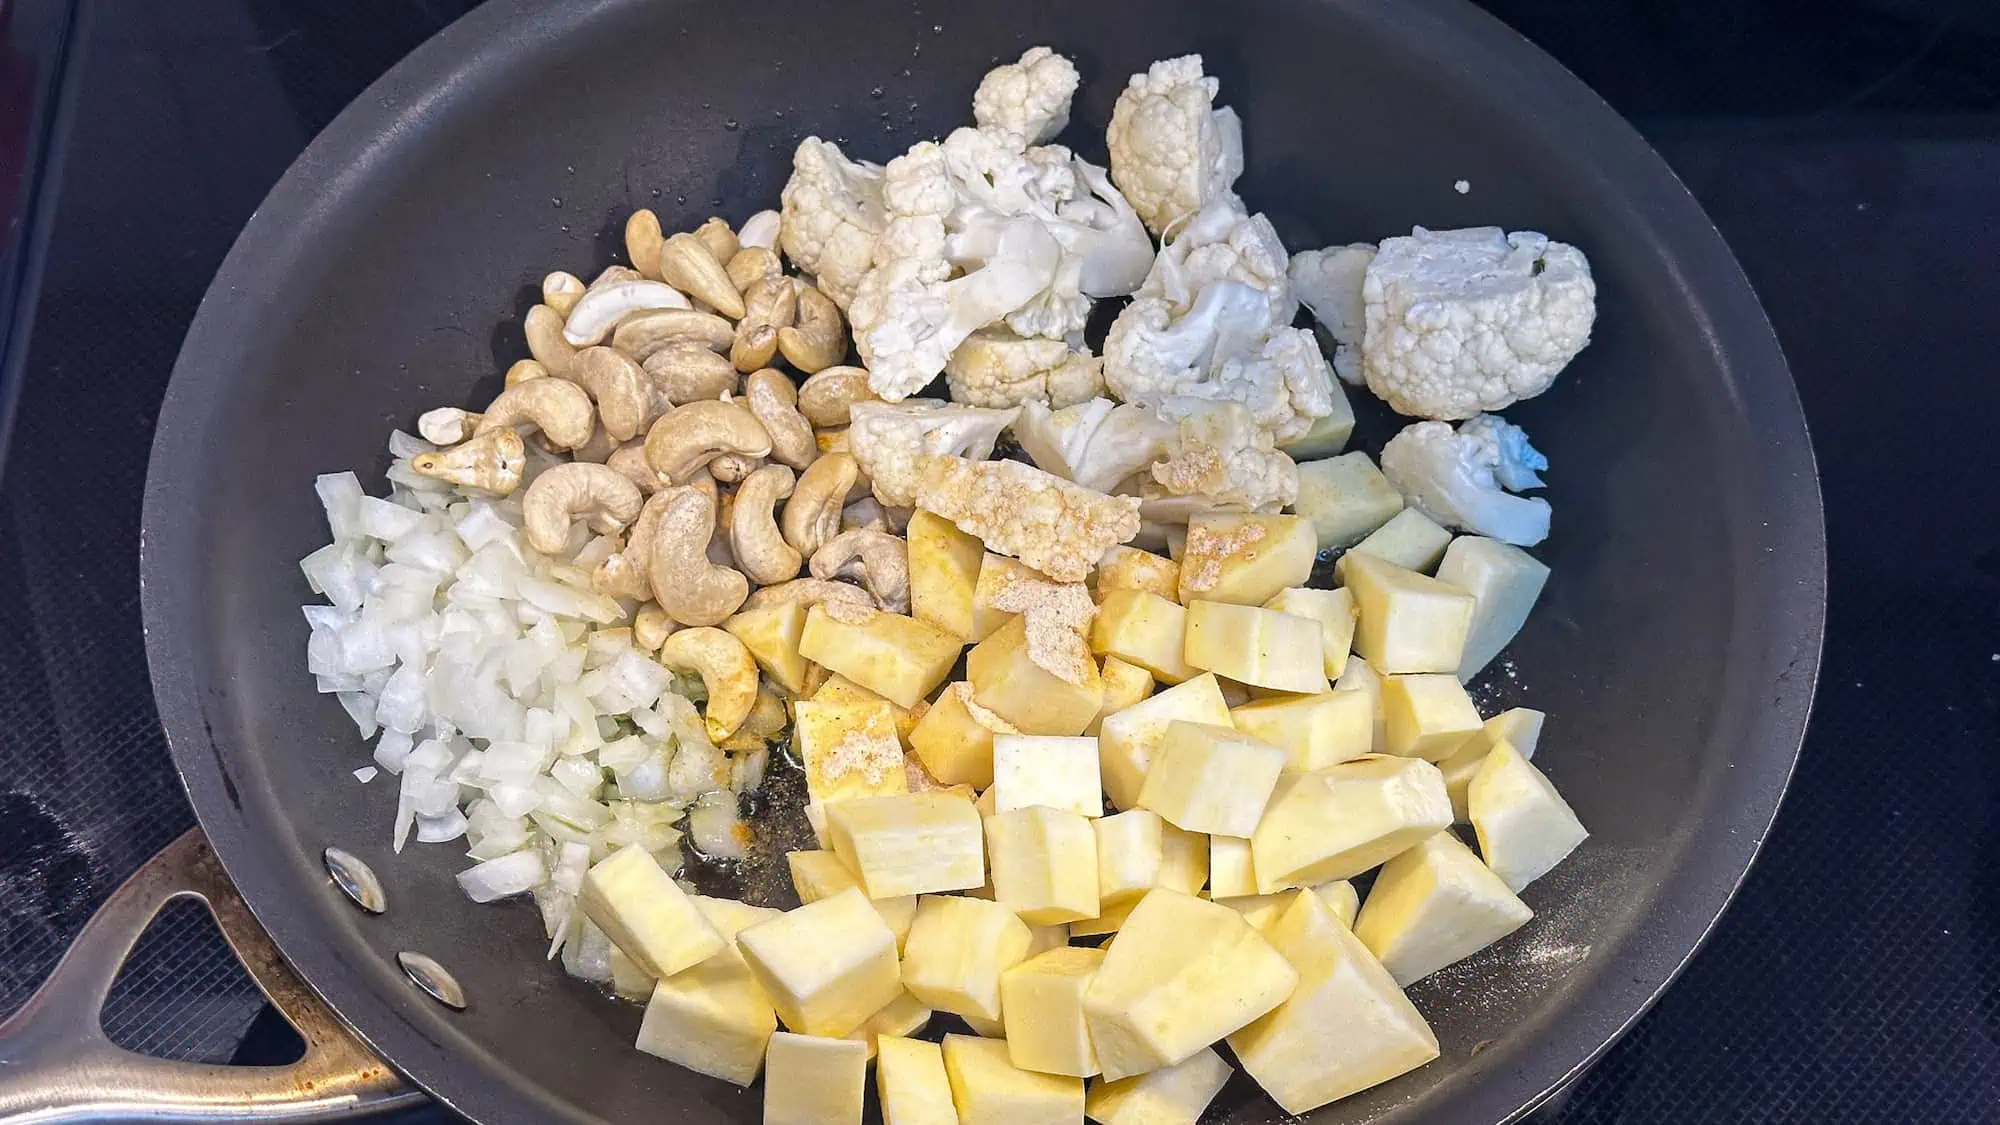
[[1848, 149]]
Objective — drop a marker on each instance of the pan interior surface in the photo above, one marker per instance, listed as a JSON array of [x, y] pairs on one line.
[[389, 273]]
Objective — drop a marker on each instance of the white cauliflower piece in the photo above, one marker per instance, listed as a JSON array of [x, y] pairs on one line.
[[1225, 460], [1056, 527], [1181, 457], [1463, 321], [1224, 243], [1328, 282], [1028, 98], [887, 438], [832, 211], [1172, 152], [996, 368], [1096, 444], [1460, 479]]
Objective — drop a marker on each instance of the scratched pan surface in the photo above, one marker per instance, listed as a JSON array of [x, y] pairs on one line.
[[388, 272]]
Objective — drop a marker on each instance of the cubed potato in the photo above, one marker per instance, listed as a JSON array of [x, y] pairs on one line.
[[996, 573], [1044, 864], [1183, 859], [1346, 1026], [1244, 558], [944, 571], [1181, 974], [1434, 905], [990, 1090], [1143, 628], [1411, 540], [909, 844], [958, 949], [1328, 434], [1124, 685], [1007, 679], [1520, 727], [1427, 715], [1230, 871], [849, 750], [912, 1084], [813, 1080], [629, 981], [1129, 855], [772, 635], [1339, 822], [730, 917], [1128, 740], [1041, 1002], [827, 966], [898, 658], [1340, 895], [1504, 582], [954, 739], [840, 689], [1408, 623], [1255, 646], [1314, 731], [1258, 910], [1109, 918], [713, 1018], [1129, 568], [822, 874], [1041, 939], [1524, 826], [645, 913], [1335, 612], [1173, 1095], [1362, 677], [1211, 779], [905, 1015], [1062, 773], [1345, 497]]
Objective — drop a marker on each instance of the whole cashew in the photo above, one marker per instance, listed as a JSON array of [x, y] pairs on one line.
[[561, 290], [651, 626], [720, 240], [726, 668], [643, 238], [819, 338], [809, 592], [688, 437], [761, 229], [826, 397], [833, 440], [686, 264], [556, 407], [524, 370], [493, 460], [577, 489], [760, 548], [543, 329], [753, 264], [642, 334], [623, 392], [623, 575], [774, 400], [879, 560], [447, 425], [755, 346], [602, 307], [684, 371], [731, 468], [629, 461], [689, 588], [812, 515], [770, 304]]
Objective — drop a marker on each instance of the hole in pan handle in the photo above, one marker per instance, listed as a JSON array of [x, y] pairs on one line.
[[56, 1066]]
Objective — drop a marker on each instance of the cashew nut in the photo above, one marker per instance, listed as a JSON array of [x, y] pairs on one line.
[[684, 371], [642, 334], [809, 592], [556, 407], [756, 346], [623, 575], [613, 274], [560, 291], [767, 716], [753, 264], [629, 461], [493, 461], [447, 425], [726, 669], [733, 467], [565, 492], [877, 559], [831, 440], [819, 338], [770, 304], [622, 390], [760, 548], [761, 229], [720, 240], [771, 396], [643, 238], [812, 515], [523, 370], [689, 588], [686, 264], [602, 307], [688, 437], [826, 397], [651, 626], [598, 449], [543, 328]]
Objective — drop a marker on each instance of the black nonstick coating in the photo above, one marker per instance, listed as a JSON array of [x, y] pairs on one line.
[[388, 272]]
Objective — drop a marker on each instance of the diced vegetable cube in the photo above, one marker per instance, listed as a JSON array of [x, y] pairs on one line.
[[1336, 614], [996, 573], [849, 750], [954, 739], [1044, 864], [1230, 872], [1525, 827], [1339, 822], [1128, 740], [905, 1015], [645, 913], [812, 1080], [1041, 1004], [1258, 910], [1173, 1095], [1109, 918], [1183, 859], [1362, 677], [1211, 779], [772, 635], [1255, 646], [911, 1081], [827, 966], [899, 658], [944, 571], [958, 948], [990, 1090], [1143, 628], [1006, 678], [1411, 540], [1427, 715], [840, 689], [822, 874], [909, 844], [713, 1018], [1061, 773], [1124, 685], [1520, 727], [1409, 623], [1504, 582], [1345, 497], [1129, 568], [1244, 558], [1129, 855], [1314, 731], [1433, 905], [1342, 897], [1327, 435]]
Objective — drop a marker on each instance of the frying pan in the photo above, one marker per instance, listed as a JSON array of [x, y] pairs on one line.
[[388, 271]]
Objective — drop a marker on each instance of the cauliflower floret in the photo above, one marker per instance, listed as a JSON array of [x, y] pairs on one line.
[[1056, 527], [832, 212], [1096, 444], [1329, 283], [1463, 321], [1459, 479], [1180, 457], [1224, 243], [1028, 98], [887, 438], [1225, 459], [1171, 152], [996, 368]]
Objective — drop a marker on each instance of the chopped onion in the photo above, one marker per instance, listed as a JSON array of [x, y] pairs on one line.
[[715, 829], [511, 874]]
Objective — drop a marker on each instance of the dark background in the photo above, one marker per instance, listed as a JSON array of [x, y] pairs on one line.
[[1848, 149]]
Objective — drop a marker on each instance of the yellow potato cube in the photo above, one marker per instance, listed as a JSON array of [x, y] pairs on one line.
[[1427, 715], [1129, 568], [816, 819], [910, 1080], [1342, 898], [1230, 872], [1345, 497], [1346, 1026], [1411, 540], [1409, 623], [1434, 905], [849, 749], [1044, 864], [1314, 731], [905, 1015], [1525, 827], [1258, 910], [996, 573], [645, 913], [1520, 727], [1173, 1095], [1109, 918], [944, 570], [840, 689], [1327, 435], [954, 739], [731, 917], [812, 1080], [1361, 677], [1143, 628], [1181, 974], [1211, 779], [898, 658], [1129, 855], [1243, 558], [958, 949], [821, 874], [772, 635], [909, 844], [990, 1090], [1504, 582], [713, 1018], [628, 980], [1041, 1002], [1007, 679], [827, 966], [1124, 685], [1061, 773], [1183, 859], [1339, 822], [1335, 612], [1255, 646]]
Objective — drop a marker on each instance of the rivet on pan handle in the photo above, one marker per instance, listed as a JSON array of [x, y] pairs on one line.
[[56, 1065]]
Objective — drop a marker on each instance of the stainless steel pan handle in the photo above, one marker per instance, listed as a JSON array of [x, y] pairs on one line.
[[56, 1065]]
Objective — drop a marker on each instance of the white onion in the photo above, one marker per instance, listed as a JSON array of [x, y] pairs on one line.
[[715, 829], [511, 874]]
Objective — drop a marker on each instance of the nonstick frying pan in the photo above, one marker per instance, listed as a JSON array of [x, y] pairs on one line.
[[1675, 649]]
